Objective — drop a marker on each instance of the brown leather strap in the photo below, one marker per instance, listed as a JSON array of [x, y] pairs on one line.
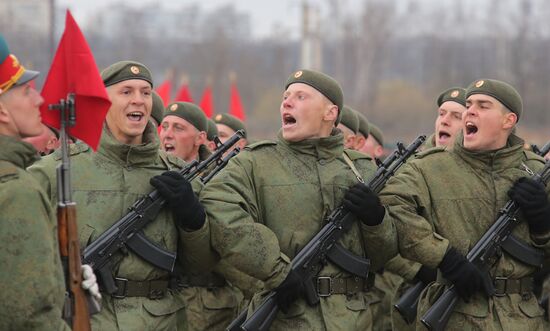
[[152, 289], [327, 286]]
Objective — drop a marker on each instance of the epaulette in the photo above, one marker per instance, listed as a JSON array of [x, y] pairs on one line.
[[355, 155], [430, 151], [8, 171], [74, 149], [261, 143]]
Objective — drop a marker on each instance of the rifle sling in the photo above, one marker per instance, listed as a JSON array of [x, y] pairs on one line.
[[523, 251]]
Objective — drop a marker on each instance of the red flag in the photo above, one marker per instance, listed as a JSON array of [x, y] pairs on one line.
[[235, 106], [164, 91], [206, 102], [183, 93], [74, 70]]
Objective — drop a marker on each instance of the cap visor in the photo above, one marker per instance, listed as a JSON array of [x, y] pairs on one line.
[[27, 76]]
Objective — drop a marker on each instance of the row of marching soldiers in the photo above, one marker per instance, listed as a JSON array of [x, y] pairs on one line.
[[236, 235]]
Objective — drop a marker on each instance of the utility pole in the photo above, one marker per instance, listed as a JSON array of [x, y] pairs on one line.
[[311, 53]]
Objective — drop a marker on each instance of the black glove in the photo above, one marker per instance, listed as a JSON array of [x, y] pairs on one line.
[[533, 201], [364, 204], [179, 195], [426, 275], [289, 291], [466, 277]]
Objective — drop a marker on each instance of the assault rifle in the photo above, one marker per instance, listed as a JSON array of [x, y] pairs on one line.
[[127, 231], [408, 302], [542, 151], [78, 304], [311, 259], [482, 254]]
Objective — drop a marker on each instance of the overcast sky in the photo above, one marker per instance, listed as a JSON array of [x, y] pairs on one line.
[[264, 14]]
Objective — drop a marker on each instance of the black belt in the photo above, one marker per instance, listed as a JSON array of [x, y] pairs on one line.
[[210, 280], [522, 286], [152, 289], [327, 286]]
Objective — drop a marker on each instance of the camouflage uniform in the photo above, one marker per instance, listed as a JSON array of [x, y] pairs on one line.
[[442, 196], [211, 302], [270, 200], [105, 185], [32, 289]]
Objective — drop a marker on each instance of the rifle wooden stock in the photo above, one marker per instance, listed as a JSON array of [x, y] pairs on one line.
[[70, 252]]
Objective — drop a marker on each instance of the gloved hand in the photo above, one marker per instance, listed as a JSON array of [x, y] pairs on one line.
[[89, 282], [533, 201], [179, 195], [289, 291], [426, 275], [364, 204], [466, 277]]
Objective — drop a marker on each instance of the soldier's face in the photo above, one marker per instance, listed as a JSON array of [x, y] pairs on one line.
[[487, 123], [224, 132], [349, 136], [131, 104], [20, 111], [306, 113], [448, 123], [46, 142], [180, 138], [372, 148]]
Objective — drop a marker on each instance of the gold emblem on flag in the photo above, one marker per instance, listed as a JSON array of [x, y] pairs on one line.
[[218, 117], [479, 83], [134, 70], [298, 74], [454, 94], [174, 107]]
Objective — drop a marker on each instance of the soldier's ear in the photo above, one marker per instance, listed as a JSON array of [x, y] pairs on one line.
[[331, 113], [200, 139], [4, 113], [509, 120]]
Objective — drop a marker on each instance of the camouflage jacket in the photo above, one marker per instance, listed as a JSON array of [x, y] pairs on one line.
[[32, 288], [105, 184], [271, 199], [451, 198]]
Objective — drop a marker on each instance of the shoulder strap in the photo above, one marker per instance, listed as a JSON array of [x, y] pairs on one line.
[[353, 168]]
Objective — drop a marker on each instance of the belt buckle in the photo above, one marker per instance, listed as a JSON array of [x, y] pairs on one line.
[[500, 292], [321, 278], [120, 294]]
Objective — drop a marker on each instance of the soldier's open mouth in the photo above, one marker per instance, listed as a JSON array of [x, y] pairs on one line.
[[135, 116], [444, 135], [169, 147], [288, 120], [471, 128]]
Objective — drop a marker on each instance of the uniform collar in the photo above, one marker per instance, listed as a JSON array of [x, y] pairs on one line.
[[327, 148], [130, 155], [18, 152], [492, 160]]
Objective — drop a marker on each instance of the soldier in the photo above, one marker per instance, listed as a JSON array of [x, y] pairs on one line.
[[211, 134], [183, 131], [374, 145], [451, 105], [443, 202], [107, 182], [362, 131], [349, 125], [32, 289], [272, 198], [211, 303], [227, 125], [46, 142]]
